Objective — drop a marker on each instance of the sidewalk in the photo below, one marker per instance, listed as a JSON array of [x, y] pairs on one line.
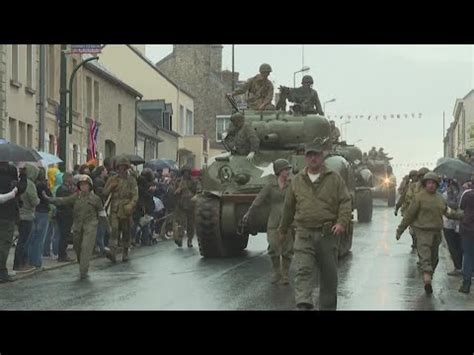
[[48, 263]]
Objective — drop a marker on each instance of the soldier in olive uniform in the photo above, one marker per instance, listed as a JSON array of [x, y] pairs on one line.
[[414, 188], [185, 190], [373, 153], [274, 195], [425, 214], [260, 90], [87, 210], [305, 97], [403, 189], [241, 137], [320, 204], [334, 132], [124, 190]]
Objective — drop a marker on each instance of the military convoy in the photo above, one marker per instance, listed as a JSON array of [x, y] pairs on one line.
[[384, 182], [231, 182]]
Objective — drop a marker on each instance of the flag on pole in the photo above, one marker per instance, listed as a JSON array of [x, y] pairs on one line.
[[93, 132]]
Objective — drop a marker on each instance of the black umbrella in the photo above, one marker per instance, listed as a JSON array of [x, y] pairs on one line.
[[455, 169], [160, 164], [15, 153], [134, 159]]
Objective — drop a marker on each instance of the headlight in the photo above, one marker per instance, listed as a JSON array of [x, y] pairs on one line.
[[225, 173]]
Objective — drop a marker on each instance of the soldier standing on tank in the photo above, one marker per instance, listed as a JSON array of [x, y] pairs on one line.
[[260, 90], [87, 210], [274, 195], [124, 190], [305, 96], [241, 137], [185, 190], [319, 203], [381, 155], [373, 153], [425, 214], [334, 132]]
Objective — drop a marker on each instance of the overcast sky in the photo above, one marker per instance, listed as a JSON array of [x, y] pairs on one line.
[[371, 80]]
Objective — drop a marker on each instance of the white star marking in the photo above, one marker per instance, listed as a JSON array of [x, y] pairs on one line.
[[266, 170]]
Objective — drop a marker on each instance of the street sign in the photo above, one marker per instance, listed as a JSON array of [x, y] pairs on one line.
[[86, 48]]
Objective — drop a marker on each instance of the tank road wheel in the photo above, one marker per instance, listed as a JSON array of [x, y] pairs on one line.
[[207, 214], [392, 196], [364, 205]]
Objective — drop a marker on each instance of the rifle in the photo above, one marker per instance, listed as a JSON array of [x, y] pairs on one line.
[[232, 101]]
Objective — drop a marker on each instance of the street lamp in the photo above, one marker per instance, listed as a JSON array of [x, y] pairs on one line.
[[296, 72], [326, 102]]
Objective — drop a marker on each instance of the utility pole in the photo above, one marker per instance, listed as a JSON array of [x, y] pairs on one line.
[[62, 110], [233, 80], [42, 95]]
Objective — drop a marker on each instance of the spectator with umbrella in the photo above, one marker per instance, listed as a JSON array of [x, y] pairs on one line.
[[9, 212]]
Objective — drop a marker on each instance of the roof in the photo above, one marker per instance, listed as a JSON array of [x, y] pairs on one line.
[[165, 59], [468, 94], [150, 63], [96, 67], [146, 129]]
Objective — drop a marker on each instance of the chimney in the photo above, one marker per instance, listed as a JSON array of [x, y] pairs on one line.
[[216, 58], [226, 76]]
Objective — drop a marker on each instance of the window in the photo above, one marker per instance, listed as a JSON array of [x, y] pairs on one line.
[[12, 125], [222, 125], [22, 133], [89, 97], [74, 155], [30, 66], [182, 122], [96, 100], [51, 69], [51, 144], [15, 62], [189, 123], [167, 121], [29, 138], [74, 87], [109, 149], [120, 117]]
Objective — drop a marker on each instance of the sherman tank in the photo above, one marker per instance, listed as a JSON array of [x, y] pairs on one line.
[[230, 182], [384, 182]]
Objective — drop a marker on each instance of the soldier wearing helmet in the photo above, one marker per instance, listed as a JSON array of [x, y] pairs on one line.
[[413, 189], [259, 89], [403, 189], [241, 137], [334, 132], [184, 190], [425, 215], [273, 194], [87, 210], [123, 190], [306, 99]]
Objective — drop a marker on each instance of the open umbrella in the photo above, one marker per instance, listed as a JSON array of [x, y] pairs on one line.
[[134, 159], [49, 159], [11, 152], [455, 169], [161, 164]]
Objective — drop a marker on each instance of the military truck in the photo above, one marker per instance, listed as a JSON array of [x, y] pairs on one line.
[[384, 182], [230, 182], [363, 180]]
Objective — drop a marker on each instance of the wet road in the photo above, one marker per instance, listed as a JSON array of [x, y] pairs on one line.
[[379, 274]]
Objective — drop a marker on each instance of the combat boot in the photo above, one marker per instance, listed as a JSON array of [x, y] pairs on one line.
[[465, 288], [285, 270], [427, 281], [276, 270], [125, 255], [110, 254]]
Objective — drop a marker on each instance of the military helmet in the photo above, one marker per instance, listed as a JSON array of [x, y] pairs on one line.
[[122, 160], [280, 164], [84, 178], [307, 79], [237, 116], [423, 171], [317, 146], [430, 176], [413, 173], [265, 68]]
